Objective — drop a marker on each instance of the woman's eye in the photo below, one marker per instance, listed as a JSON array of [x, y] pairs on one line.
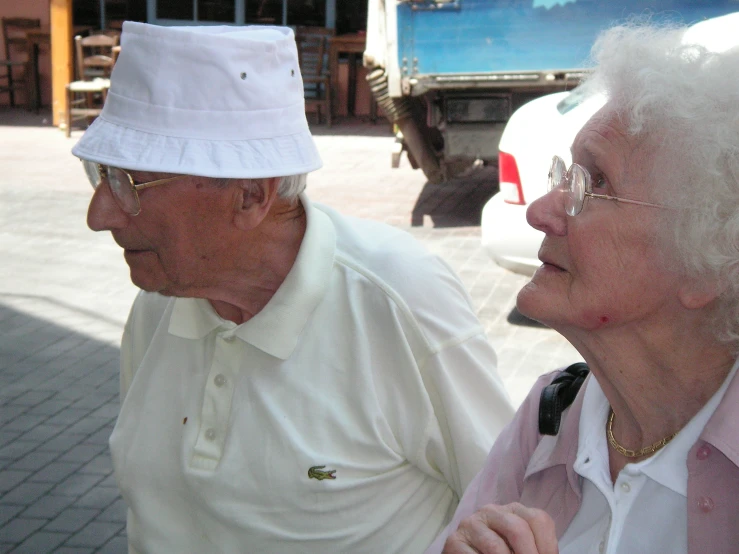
[[599, 182]]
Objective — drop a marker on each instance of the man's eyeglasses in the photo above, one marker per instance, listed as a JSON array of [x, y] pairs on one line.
[[124, 188], [577, 184]]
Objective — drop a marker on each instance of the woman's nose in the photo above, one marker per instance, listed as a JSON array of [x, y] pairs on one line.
[[547, 214], [104, 213]]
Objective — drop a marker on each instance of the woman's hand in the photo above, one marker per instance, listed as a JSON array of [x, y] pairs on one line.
[[509, 529]]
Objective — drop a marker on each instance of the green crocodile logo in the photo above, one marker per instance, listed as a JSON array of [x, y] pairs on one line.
[[317, 472]]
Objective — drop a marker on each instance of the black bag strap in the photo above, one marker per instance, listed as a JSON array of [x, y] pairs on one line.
[[556, 396]]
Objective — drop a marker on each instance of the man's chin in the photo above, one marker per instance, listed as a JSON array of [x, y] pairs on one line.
[[146, 287], [147, 283], [144, 270]]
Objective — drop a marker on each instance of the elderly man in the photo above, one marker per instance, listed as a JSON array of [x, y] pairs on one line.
[[292, 380]]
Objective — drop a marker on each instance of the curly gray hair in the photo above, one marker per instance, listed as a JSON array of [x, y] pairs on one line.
[[685, 98]]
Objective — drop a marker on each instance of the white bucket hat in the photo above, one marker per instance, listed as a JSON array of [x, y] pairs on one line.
[[211, 101]]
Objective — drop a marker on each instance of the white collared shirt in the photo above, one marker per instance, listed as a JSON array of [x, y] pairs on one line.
[[645, 510], [347, 416]]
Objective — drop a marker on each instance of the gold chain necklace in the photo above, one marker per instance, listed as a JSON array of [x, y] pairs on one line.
[[651, 449]]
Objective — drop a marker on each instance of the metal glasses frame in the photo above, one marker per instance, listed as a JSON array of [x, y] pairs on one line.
[[588, 189], [103, 170]]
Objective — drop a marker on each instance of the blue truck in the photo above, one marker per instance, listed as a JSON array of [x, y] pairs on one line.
[[449, 73]]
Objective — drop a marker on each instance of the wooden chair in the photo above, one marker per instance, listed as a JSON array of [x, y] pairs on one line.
[[94, 60], [313, 46], [16, 56], [111, 32]]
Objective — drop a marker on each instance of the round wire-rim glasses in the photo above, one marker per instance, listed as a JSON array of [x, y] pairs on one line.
[[124, 188], [578, 184]]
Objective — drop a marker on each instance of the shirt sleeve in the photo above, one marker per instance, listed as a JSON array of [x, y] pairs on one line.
[[470, 408], [500, 481]]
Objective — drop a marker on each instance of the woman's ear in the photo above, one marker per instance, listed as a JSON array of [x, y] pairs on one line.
[[697, 294], [254, 199]]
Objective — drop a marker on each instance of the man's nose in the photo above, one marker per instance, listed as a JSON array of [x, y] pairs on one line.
[[547, 214], [104, 213]]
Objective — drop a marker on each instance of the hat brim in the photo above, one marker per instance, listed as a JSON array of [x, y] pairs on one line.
[[117, 145]]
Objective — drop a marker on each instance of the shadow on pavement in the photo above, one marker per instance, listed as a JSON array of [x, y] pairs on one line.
[[457, 202], [20, 117], [58, 405], [517, 318]]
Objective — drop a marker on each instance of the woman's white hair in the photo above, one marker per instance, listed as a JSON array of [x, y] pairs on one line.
[[685, 100]]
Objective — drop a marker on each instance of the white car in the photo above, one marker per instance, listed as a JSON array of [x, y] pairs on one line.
[[537, 131]]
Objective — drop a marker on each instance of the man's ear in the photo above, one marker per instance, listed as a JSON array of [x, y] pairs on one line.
[[254, 200], [697, 294]]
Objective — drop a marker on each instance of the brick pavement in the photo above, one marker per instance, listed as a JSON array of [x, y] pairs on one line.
[[65, 294]]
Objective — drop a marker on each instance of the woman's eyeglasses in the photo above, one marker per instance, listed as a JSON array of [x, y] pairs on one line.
[[576, 183]]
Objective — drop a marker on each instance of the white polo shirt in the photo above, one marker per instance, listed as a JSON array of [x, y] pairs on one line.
[[347, 416]]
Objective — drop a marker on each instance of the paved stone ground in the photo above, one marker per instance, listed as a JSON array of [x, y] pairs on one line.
[[65, 294]]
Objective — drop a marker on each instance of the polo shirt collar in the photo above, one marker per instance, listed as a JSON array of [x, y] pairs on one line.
[[277, 327]]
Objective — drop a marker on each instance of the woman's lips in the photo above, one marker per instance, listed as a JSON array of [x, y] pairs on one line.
[[548, 264]]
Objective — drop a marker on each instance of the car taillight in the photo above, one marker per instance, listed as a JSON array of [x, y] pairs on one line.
[[510, 181]]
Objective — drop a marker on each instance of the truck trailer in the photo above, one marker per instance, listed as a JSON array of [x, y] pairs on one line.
[[449, 73]]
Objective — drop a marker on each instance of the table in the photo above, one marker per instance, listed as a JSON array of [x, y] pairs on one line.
[[351, 44]]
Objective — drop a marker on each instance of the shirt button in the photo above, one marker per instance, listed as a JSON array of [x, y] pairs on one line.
[[228, 338], [219, 380], [210, 434], [703, 452], [705, 503], [602, 546], [625, 487]]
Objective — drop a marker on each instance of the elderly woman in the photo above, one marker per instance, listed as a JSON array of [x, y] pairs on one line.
[[640, 271]]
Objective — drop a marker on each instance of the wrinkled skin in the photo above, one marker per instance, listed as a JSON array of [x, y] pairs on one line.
[[509, 529]]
